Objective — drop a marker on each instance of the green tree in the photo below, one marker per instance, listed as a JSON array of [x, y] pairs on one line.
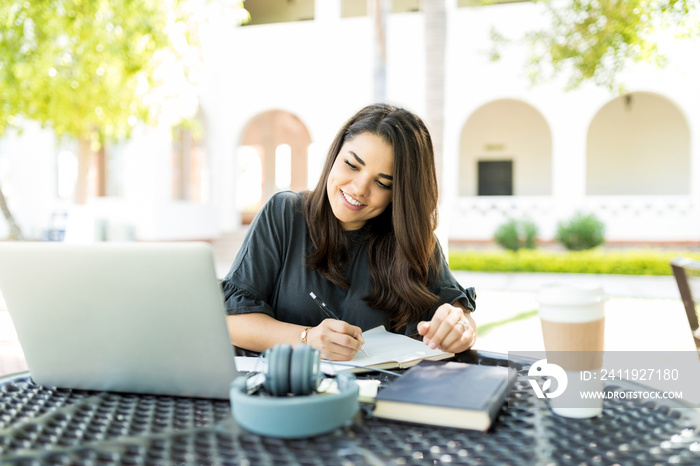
[[88, 68], [80, 67], [593, 40]]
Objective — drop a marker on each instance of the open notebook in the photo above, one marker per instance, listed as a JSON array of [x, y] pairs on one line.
[[386, 350], [130, 317]]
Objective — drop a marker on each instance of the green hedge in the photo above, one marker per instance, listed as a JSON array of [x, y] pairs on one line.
[[623, 262]]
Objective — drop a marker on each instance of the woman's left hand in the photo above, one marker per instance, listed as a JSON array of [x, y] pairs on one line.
[[452, 329]]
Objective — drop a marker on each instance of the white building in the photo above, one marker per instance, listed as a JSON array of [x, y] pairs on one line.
[[275, 94]]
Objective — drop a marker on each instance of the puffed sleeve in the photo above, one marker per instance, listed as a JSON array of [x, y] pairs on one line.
[[249, 284], [240, 301], [446, 286], [448, 290]]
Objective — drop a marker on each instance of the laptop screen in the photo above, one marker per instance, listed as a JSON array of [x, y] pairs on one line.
[[132, 317]]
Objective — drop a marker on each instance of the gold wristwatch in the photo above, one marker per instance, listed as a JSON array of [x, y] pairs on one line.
[[305, 334]]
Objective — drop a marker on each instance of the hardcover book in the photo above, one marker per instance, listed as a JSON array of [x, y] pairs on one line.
[[448, 394]]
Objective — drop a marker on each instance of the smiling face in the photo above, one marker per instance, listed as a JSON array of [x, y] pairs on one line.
[[360, 182]]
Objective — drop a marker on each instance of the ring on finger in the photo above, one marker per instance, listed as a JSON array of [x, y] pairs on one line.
[[464, 325]]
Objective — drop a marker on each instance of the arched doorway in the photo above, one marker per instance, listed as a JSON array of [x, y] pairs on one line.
[[273, 155], [638, 144], [506, 149]]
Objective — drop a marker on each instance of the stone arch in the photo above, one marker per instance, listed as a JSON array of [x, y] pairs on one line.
[[507, 130], [262, 138], [638, 144]]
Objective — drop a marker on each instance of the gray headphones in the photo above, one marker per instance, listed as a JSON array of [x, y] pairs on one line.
[[289, 406]]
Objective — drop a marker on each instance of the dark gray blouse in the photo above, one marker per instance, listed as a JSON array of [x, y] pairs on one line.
[[270, 276]]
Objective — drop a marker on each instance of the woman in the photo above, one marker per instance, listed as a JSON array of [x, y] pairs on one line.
[[363, 241]]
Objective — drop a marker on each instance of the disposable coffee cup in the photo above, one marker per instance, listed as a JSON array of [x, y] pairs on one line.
[[573, 326]]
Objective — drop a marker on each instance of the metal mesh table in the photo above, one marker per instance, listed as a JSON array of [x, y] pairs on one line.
[[41, 425]]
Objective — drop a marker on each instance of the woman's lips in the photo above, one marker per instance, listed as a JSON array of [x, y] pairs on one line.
[[351, 202]]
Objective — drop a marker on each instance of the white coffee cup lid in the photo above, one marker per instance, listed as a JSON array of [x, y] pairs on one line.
[[571, 294]]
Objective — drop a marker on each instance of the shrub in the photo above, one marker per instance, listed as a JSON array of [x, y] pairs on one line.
[[581, 232], [517, 234]]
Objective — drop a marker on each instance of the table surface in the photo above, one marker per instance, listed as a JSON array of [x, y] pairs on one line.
[[40, 425]]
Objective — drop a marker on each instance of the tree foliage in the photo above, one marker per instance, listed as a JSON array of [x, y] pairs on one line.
[[92, 69], [594, 40], [80, 65]]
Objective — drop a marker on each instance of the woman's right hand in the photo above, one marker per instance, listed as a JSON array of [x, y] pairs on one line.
[[336, 340]]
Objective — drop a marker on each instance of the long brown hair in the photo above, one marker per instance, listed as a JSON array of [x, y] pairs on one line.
[[401, 240]]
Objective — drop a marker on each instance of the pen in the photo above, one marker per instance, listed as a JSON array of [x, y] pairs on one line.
[[324, 307]]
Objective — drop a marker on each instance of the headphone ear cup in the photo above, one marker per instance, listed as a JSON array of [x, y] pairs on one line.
[[277, 376], [315, 375], [304, 372]]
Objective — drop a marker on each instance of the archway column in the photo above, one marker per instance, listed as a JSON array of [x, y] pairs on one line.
[[327, 10], [693, 113], [300, 165], [569, 136], [568, 158], [694, 123]]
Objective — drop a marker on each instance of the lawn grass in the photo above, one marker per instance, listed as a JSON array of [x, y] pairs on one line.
[[484, 329]]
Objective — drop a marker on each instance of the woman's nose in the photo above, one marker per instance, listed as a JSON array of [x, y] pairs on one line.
[[361, 185]]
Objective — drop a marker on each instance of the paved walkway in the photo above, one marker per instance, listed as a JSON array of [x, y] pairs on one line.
[[643, 313]]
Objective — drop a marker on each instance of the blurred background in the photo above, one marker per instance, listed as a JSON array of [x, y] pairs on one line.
[[176, 120], [558, 125]]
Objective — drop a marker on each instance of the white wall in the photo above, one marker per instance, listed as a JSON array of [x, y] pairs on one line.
[[28, 178], [322, 72]]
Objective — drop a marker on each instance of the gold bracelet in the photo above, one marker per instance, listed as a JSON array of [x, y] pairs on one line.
[[305, 335]]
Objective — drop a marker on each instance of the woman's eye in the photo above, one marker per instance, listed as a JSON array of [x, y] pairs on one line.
[[382, 185], [352, 167]]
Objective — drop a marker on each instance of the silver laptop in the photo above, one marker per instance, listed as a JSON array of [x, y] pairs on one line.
[[128, 317]]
